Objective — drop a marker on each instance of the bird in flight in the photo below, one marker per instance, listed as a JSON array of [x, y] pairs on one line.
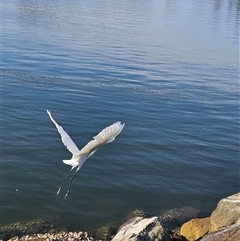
[[107, 135]]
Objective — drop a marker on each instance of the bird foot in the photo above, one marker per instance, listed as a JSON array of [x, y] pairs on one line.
[[66, 196], [58, 191]]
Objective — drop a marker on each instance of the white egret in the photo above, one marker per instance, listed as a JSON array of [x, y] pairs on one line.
[[107, 135]]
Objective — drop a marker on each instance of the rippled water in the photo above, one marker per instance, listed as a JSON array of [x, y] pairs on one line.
[[167, 69]]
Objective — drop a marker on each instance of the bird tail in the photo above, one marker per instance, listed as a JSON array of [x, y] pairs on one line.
[[69, 162]]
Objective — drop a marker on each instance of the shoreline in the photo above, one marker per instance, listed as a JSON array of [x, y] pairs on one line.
[[52, 227], [180, 224]]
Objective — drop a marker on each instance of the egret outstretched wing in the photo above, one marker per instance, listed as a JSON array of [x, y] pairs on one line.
[[66, 139], [107, 135]]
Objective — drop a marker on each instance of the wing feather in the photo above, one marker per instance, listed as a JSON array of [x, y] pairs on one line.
[[66, 139], [107, 135]]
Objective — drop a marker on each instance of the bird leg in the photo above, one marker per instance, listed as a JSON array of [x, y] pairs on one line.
[[64, 181], [70, 184]]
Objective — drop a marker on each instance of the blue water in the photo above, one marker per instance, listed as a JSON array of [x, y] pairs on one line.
[[169, 70]]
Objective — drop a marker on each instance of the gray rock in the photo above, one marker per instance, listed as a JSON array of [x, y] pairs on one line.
[[230, 233], [174, 218], [140, 228], [226, 213]]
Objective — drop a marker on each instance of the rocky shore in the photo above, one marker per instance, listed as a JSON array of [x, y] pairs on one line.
[[65, 236], [174, 225]]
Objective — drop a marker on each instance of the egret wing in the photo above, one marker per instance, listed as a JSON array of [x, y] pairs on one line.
[[107, 135], [66, 139]]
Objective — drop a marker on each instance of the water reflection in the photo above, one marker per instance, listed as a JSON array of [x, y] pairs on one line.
[[33, 14], [232, 8]]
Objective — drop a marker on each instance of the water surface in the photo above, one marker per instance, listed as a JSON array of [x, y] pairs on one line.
[[167, 69]]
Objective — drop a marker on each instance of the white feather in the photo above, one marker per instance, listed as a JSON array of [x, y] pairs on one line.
[[107, 135], [66, 139]]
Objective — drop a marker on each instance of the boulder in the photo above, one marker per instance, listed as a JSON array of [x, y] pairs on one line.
[[195, 228], [141, 228], [176, 217], [226, 213], [230, 233]]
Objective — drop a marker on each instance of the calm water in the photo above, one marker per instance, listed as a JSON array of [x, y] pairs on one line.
[[168, 69]]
